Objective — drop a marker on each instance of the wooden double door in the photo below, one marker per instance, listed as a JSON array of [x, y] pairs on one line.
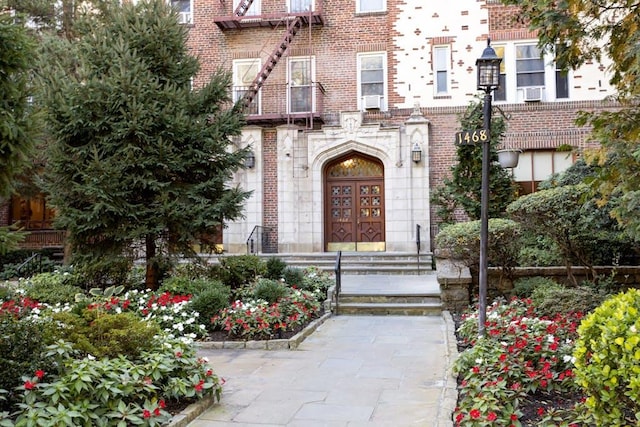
[[354, 204]]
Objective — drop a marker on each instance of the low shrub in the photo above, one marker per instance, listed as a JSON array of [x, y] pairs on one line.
[[269, 290], [51, 288], [524, 287], [22, 348], [553, 299], [538, 251], [184, 285], [209, 302], [275, 268], [115, 392], [104, 272], [293, 276], [236, 271], [607, 357], [107, 335]]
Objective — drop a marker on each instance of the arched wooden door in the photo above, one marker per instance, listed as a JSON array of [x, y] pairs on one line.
[[354, 204]]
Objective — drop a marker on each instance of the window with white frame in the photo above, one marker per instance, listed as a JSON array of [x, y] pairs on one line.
[[184, 9], [441, 62], [300, 6], [370, 6], [500, 94], [536, 166], [254, 9], [300, 85], [562, 83], [371, 80], [529, 66], [244, 72]]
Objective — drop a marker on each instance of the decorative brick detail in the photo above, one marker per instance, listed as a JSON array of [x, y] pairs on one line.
[[270, 184]]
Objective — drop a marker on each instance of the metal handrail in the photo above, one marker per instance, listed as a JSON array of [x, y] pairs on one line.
[[29, 260], [418, 244], [338, 272], [256, 240]]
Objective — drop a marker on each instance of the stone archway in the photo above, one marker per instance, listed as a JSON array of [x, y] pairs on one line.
[[354, 211]]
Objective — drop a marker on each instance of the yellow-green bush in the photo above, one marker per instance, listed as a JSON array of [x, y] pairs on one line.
[[608, 360]]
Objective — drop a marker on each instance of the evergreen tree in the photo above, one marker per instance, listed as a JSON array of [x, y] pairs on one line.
[[463, 189], [140, 158]]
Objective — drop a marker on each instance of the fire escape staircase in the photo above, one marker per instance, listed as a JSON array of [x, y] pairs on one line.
[[242, 8], [293, 26]]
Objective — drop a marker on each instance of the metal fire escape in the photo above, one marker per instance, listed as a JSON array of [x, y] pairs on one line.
[[292, 22]]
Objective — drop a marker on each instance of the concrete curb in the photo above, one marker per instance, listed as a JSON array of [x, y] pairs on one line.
[[449, 395], [192, 411]]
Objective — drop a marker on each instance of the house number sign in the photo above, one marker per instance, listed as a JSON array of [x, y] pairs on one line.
[[470, 137]]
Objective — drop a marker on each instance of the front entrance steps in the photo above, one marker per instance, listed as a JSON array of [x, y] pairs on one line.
[[363, 263], [380, 294]]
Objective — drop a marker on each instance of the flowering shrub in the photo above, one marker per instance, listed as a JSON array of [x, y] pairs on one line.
[[257, 319], [520, 354], [113, 392]]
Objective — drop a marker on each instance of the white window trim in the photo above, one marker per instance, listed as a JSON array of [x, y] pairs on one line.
[[447, 70], [385, 95], [515, 94], [237, 81], [312, 60], [185, 18], [291, 2], [359, 8]]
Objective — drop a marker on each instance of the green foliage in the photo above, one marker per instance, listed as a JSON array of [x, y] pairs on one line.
[[607, 362], [242, 269], [462, 242], [210, 301], [275, 268], [463, 189], [140, 156], [293, 276], [18, 122], [9, 241], [524, 287], [270, 290], [107, 335], [10, 261], [22, 349], [183, 285], [119, 391], [568, 29], [51, 288], [538, 251], [100, 273], [553, 299], [318, 281]]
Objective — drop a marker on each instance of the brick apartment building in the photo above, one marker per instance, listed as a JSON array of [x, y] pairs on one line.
[[353, 105]]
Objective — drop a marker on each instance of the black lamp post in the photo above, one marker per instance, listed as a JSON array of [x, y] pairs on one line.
[[488, 79]]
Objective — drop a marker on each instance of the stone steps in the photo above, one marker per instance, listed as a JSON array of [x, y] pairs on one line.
[[389, 304]]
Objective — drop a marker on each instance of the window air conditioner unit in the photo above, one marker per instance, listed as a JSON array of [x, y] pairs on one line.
[[372, 102], [533, 94], [184, 18]]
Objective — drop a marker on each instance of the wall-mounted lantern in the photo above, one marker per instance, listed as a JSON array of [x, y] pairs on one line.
[[250, 160], [416, 153]]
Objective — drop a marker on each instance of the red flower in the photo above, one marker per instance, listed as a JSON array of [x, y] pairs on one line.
[[513, 417], [492, 416], [541, 411], [156, 412], [40, 374], [178, 354], [475, 414], [146, 414], [476, 369], [199, 386], [162, 404], [209, 372], [28, 385], [459, 417]]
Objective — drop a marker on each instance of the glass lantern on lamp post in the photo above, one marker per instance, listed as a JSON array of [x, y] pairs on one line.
[[488, 80]]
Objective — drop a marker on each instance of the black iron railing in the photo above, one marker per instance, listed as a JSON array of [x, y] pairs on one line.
[[259, 240], [338, 272], [34, 262], [418, 244]]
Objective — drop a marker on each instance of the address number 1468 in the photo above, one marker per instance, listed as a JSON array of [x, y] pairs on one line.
[[472, 136]]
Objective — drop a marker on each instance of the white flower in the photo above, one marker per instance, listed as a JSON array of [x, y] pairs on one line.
[[633, 329], [478, 361], [550, 338], [568, 358], [90, 357]]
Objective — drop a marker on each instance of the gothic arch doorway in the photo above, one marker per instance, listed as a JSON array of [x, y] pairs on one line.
[[354, 204]]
